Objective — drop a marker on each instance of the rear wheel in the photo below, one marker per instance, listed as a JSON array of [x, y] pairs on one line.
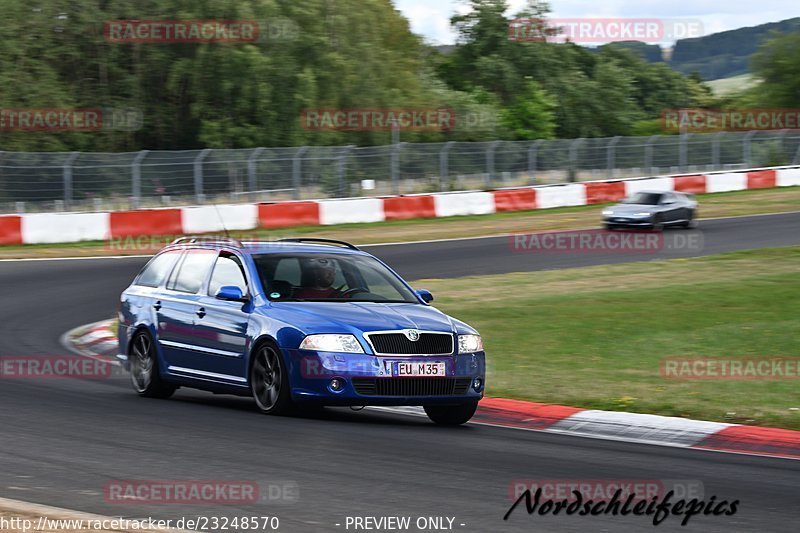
[[145, 376], [269, 381], [451, 415]]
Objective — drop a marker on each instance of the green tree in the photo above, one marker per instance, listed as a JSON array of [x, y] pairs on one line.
[[777, 63], [532, 114]]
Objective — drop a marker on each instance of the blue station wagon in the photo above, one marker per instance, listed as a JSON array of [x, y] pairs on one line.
[[293, 323]]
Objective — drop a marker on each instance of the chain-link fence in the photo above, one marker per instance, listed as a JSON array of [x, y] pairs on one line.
[[96, 181]]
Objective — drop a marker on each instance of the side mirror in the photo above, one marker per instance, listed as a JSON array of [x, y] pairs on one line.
[[426, 295], [230, 293]]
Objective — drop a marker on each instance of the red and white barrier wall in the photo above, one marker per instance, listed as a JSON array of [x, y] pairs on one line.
[[76, 227]]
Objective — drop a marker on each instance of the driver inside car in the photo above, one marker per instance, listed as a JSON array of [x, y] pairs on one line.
[[319, 275]]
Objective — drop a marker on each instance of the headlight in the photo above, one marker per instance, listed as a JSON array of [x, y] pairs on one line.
[[608, 212], [470, 343], [332, 343]]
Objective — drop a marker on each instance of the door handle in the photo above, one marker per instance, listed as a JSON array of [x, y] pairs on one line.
[[201, 312], [157, 306]]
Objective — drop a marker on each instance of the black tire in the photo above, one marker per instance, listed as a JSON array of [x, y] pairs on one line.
[[691, 223], [658, 224], [608, 227], [269, 380], [451, 415], [145, 375]]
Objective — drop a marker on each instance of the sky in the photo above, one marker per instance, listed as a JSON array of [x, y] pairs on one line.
[[431, 18]]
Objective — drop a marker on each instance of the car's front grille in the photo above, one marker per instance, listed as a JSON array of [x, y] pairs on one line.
[[399, 344], [411, 386]]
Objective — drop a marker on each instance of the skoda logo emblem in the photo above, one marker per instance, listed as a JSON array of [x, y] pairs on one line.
[[412, 334]]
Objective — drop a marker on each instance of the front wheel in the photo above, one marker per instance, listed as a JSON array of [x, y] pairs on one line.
[[451, 415], [691, 222], [145, 377], [269, 381], [658, 223]]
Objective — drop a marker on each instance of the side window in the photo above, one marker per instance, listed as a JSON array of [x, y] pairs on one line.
[[192, 272], [228, 271], [157, 269], [288, 270]]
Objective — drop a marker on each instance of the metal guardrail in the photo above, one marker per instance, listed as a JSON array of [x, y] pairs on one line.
[[101, 181]]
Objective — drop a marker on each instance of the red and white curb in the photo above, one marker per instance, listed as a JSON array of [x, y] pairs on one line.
[[630, 427], [42, 228], [49, 518], [99, 341]]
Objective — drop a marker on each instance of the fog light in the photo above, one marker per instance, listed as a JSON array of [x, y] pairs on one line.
[[477, 383], [336, 385]]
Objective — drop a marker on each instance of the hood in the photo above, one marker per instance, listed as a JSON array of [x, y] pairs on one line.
[[629, 209], [356, 317]]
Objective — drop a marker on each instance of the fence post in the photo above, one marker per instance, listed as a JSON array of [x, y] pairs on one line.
[[198, 175], [782, 141], [252, 173], [715, 153], [297, 171], [533, 153], [611, 156], [67, 172], [343, 168], [396, 148], [136, 178], [573, 159], [684, 151], [747, 147], [648, 154], [490, 163], [444, 166]]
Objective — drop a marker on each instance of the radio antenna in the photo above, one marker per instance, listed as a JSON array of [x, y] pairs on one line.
[[222, 221]]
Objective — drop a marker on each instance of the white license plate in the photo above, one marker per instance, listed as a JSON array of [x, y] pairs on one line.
[[420, 369]]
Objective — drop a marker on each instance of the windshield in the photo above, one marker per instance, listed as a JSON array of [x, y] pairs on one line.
[[643, 198], [329, 278]]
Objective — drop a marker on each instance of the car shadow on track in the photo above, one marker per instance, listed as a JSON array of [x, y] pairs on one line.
[[329, 414]]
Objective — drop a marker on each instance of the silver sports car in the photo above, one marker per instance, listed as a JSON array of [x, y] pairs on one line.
[[652, 210]]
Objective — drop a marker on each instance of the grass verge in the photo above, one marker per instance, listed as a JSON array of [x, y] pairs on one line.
[[711, 205], [595, 337]]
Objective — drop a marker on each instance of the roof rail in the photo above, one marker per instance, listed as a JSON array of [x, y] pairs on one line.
[[201, 239], [322, 241]]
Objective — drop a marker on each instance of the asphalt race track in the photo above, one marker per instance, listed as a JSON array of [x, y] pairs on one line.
[[62, 441]]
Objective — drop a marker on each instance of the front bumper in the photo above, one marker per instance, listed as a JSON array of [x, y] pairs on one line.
[[628, 222], [370, 380]]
